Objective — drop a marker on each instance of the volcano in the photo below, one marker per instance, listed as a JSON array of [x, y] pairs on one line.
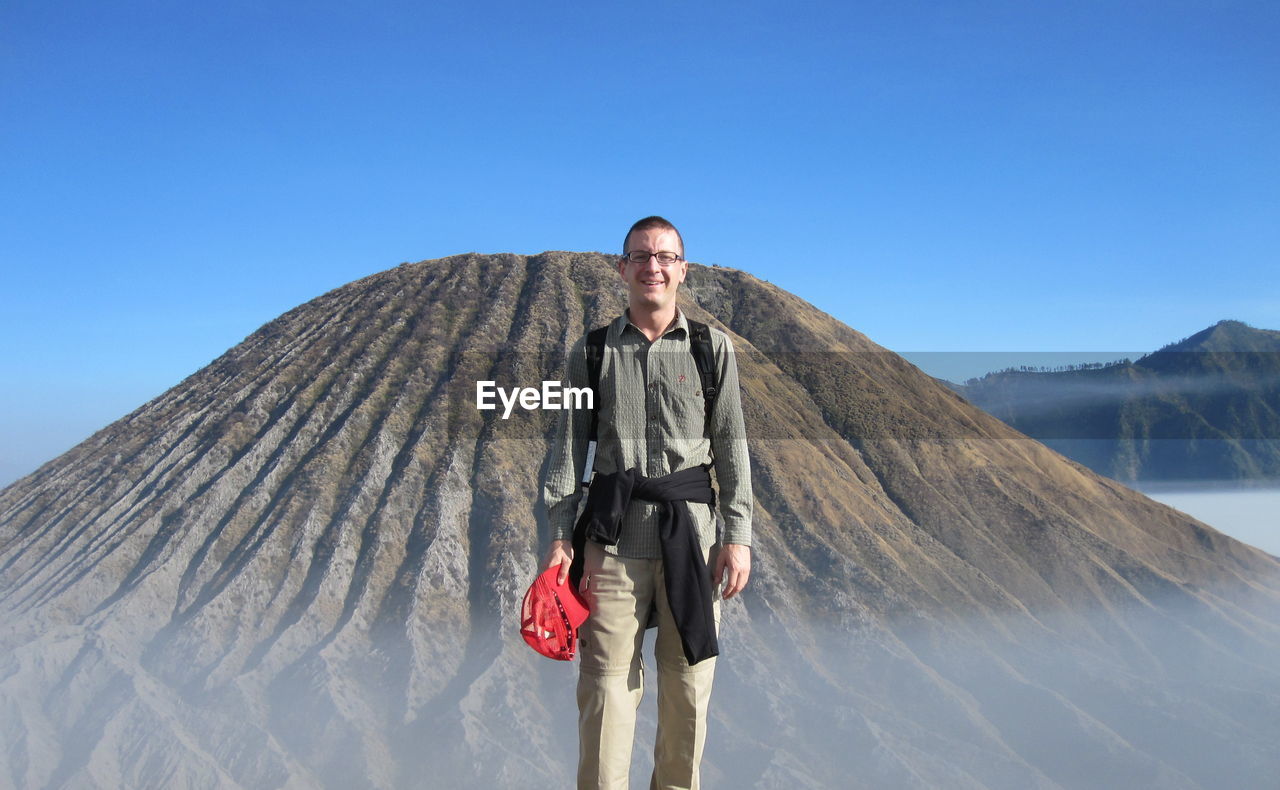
[[302, 566]]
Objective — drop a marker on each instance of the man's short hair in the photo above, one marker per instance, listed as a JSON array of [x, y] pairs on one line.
[[652, 223]]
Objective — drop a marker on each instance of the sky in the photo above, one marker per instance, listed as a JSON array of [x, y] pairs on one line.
[[1074, 179]]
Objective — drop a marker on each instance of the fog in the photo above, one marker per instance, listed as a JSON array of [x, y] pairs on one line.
[[1170, 692], [1159, 696], [1247, 513]]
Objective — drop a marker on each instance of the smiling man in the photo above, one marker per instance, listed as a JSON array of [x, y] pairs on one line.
[[645, 550]]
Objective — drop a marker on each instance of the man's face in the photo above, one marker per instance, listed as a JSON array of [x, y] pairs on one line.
[[649, 284]]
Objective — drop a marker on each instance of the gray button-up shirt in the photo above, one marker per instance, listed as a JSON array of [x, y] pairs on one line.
[[652, 417]]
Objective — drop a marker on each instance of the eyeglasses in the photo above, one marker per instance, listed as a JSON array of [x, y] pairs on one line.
[[664, 258]]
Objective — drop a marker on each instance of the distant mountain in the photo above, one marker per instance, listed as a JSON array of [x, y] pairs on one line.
[[1204, 408], [301, 568], [1229, 337]]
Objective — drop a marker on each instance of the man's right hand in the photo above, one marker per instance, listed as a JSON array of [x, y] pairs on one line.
[[560, 553]]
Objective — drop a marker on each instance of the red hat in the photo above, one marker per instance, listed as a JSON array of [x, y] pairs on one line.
[[551, 614]]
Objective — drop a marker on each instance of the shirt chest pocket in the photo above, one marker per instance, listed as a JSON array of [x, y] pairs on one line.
[[682, 403]]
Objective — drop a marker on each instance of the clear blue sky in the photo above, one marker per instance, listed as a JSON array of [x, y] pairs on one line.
[[944, 176]]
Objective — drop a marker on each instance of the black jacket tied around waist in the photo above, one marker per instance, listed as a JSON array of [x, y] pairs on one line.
[[688, 583]]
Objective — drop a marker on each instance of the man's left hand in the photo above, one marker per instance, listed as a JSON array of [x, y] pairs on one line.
[[733, 566]]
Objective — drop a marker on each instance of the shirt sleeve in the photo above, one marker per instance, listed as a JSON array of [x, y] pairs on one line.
[[729, 447], [562, 489]]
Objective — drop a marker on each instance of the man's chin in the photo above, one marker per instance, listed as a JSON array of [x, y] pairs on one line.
[[649, 298]]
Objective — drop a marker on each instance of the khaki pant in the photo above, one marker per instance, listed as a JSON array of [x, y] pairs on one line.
[[620, 591]]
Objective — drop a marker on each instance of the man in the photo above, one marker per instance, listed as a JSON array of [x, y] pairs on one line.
[[653, 425]]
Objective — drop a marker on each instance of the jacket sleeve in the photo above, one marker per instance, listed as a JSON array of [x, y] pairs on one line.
[[562, 490], [729, 446]]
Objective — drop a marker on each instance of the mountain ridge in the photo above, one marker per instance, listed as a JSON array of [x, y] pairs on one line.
[[1202, 408], [1227, 335]]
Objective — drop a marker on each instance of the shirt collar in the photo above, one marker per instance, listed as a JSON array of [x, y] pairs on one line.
[[623, 321]]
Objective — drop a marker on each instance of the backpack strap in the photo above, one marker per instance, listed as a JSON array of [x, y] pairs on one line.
[[704, 358], [595, 361]]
